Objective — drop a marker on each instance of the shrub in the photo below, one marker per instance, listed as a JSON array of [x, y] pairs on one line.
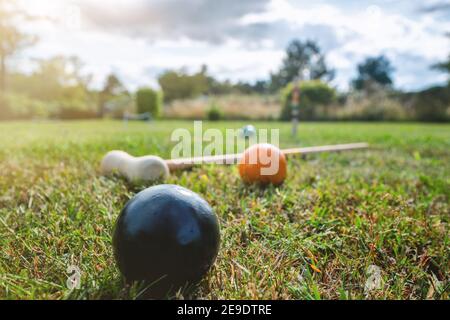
[[312, 94], [214, 113], [73, 109], [16, 107], [149, 100], [116, 107], [68, 113], [432, 104], [376, 107], [232, 107], [180, 85]]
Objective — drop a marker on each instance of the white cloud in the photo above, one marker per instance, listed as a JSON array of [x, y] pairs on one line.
[[368, 31], [236, 39]]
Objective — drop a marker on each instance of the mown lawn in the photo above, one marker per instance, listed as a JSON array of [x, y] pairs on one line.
[[312, 238]]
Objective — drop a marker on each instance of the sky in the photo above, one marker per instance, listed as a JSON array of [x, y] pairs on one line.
[[239, 39]]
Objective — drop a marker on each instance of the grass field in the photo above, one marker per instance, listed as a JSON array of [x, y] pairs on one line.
[[312, 238]]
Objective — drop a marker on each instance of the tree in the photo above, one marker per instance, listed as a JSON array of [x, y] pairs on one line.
[[57, 84], [374, 70], [181, 85], [54, 78], [11, 38], [445, 65], [301, 57], [216, 87], [113, 88], [261, 86]]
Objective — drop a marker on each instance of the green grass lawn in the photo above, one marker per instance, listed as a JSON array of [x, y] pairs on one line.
[[312, 238]]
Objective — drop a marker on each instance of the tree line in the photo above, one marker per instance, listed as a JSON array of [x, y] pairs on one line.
[[58, 88], [303, 61]]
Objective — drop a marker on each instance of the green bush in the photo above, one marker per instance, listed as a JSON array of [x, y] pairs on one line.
[[149, 100], [73, 109], [375, 107], [432, 104], [115, 107], [17, 107], [312, 94], [68, 113], [180, 85], [214, 113]]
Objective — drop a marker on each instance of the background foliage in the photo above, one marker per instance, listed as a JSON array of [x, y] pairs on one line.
[[149, 100], [59, 88], [316, 97]]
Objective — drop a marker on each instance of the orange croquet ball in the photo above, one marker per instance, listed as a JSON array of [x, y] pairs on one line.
[[263, 164]]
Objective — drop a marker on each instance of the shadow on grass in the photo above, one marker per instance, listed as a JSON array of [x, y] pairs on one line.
[[161, 290]]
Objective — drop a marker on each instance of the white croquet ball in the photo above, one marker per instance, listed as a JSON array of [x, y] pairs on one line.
[[115, 162], [248, 132], [148, 168]]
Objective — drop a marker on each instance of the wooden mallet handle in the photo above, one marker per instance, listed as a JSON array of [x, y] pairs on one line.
[[179, 164]]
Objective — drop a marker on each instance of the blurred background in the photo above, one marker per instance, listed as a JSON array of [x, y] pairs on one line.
[[380, 60]]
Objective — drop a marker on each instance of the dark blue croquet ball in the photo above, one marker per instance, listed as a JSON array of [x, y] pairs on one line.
[[167, 236]]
